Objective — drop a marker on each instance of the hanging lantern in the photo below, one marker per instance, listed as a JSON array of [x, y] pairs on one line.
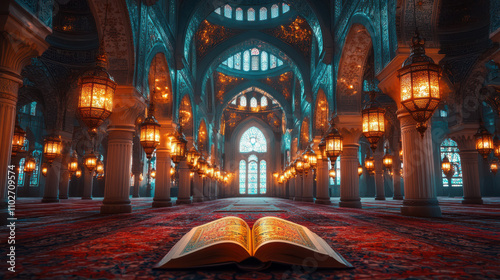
[[401, 155], [52, 148], [387, 161], [18, 140], [334, 144], [447, 167], [494, 167], [78, 173], [373, 121], [99, 167], [419, 84], [484, 142], [370, 164], [90, 161], [73, 164], [360, 170], [276, 175], [496, 145], [29, 165], [192, 158], [202, 165], [332, 173], [45, 170], [299, 165], [97, 88], [150, 133], [311, 158], [153, 173], [100, 176], [178, 147], [141, 177], [322, 150]]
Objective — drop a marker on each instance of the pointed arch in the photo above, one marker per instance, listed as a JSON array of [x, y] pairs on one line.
[[321, 114], [160, 84], [186, 115], [304, 133], [203, 136]]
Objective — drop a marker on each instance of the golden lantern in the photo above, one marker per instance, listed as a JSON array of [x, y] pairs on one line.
[[299, 165], [401, 172], [401, 155], [201, 166], [496, 146], [52, 148], [419, 84], [387, 161], [370, 164], [153, 173], [99, 167], [78, 173], [97, 88], [29, 165], [100, 176], [334, 144], [484, 142], [447, 167], [45, 170], [360, 170], [178, 147], [373, 121], [73, 164], [281, 179], [276, 175], [322, 150], [192, 158], [150, 133], [210, 171], [311, 158], [141, 177], [172, 171], [18, 140], [90, 161], [494, 167], [332, 173]]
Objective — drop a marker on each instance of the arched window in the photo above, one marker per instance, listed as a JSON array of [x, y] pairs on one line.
[[230, 62], [274, 11], [237, 61], [253, 140], [228, 11], [252, 174], [20, 177], [35, 176], [263, 174], [337, 172], [218, 11], [263, 13], [243, 176], [239, 14], [449, 148], [253, 102], [251, 14], [243, 101], [246, 61], [253, 59], [263, 101], [274, 61], [286, 8], [264, 63]]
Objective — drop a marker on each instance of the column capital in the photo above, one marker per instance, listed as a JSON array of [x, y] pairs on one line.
[[128, 105], [464, 136]]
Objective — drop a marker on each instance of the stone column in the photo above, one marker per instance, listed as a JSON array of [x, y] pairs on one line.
[[420, 197], [197, 188], [299, 179], [379, 173], [349, 161], [307, 194], [291, 188], [88, 183], [396, 175], [470, 165], [137, 184], [162, 184], [184, 196], [322, 183], [51, 190], [117, 188], [65, 178]]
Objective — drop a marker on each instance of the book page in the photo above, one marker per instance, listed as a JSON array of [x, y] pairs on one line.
[[228, 229], [271, 229]]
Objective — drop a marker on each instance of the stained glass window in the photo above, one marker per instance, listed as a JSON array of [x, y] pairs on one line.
[[263, 101], [264, 63], [449, 148], [253, 102], [225, 62], [33, 108], [286, 8], [243, 176], [263, 13], [35, 176], [252, 177], [251, 14], [233, 102], [255, 63], [218, 11], [274, 11], [280, 62], [274, 61], [239, 14], [243, 101], [253, 140], [237, 61], [228, 11], [337, 172], [246, 61], [230, 62], [263, 169], [255, 51], [20, 178]]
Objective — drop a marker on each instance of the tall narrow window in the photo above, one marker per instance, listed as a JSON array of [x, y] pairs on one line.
[[246, 61], [263, 101], [253, 102], [449, 148], [20, 177], [228, 11], [35, 176], [255, 63], [243, 177], [237, 61], [264, 62], [286, 8], [280, 62], [251, 14], [274, 62], [243, 101], [252, 174], [263, 179], [263, 13], [33, 108], [239, 14], [230, 62], [274, 11]]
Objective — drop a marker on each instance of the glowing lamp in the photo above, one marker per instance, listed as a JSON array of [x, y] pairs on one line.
[[387, 161], [73, 164], [334, 144], [78, 173], [99, 167], [52, 148], [322, 150], [401, 155], [370, 164], [276, 175], [150, 133], [45, 170], [29, 165], [141, 177], [299, 166], [172, 172], [153, 173], [192, 158], [178, 148], [311, 158], [419, 84], [494, 167], [496, 145], [360, 170], [332, 173], [202, 165], [18, 140], [90, 161], [447, 167], [484, 142], [373, 121]]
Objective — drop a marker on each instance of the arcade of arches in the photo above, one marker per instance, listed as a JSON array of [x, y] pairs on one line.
[[254, 87]]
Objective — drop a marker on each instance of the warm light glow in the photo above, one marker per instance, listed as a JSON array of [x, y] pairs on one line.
[[373, 116], [360, 170], [334, 145], [141, 177], [44, 169], [332, 173], [90, 161], [172, 171], [18, 140], [73, 164], [447, 167], [150, 135], [100, 167], [484, 142], [370, 164], [178, 148], [494, 167], [78, 173], [29, 165], [387, 161], [52, 148], [153, 173]]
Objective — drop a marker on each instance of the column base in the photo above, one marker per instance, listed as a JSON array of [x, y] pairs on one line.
[[183, 201], [86, 198], [63, 197], [324, 201], [297, 198], [116, 208], [421, 208], [291, 198], [308, 199], [380, 198], [135, 196], [198, 199], [160, 204], [476, 200], [350, 204], [398, 198], [50, 199]]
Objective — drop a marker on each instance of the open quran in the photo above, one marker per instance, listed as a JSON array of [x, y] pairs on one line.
[[230, 240]]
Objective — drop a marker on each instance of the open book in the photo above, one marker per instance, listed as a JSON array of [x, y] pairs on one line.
[[271, 239]]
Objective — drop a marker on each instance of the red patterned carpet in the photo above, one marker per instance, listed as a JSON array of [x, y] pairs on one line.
[[71, 240]]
